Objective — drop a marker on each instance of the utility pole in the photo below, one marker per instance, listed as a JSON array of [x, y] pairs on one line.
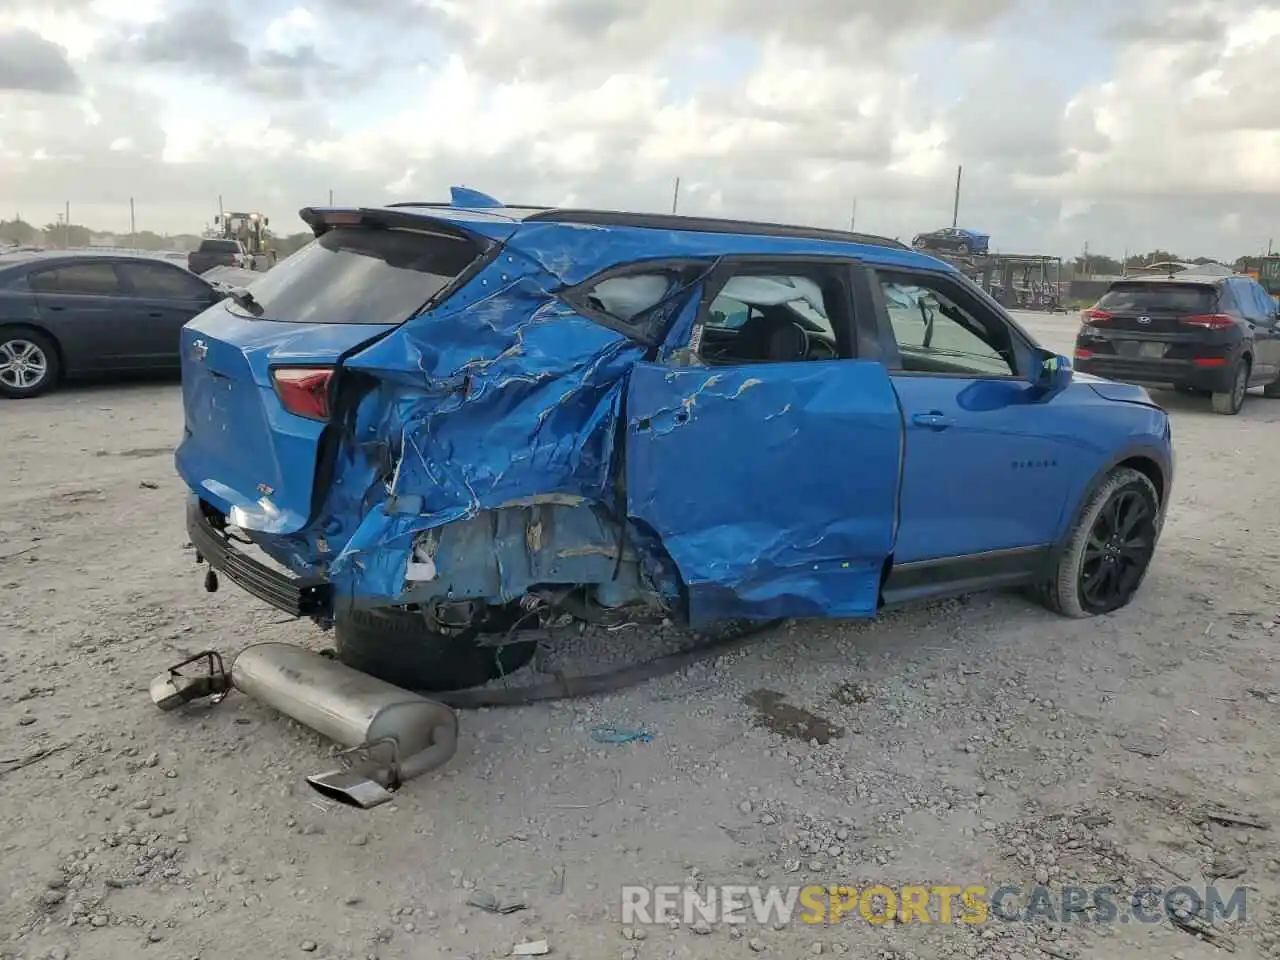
[[66, 242], [955, 209], [331, 198], [133, 223], [675, 196], [1268, 246], [853, 215]]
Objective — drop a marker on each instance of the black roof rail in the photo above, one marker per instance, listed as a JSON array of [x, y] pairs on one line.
[[498, 211], [672, 221]]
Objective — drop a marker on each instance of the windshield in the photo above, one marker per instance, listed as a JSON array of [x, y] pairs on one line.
[[1158, 298], [1269, 275], [360, 275]]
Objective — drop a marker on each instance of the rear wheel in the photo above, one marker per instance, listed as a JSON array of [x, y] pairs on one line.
[[28, 363], [1272, 389], [400, 647], [1229, 404], [1108, 551]]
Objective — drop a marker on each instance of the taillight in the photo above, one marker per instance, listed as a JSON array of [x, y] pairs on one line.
[[1210, 321], [304, 391], [1084, 354], [1095, 316]]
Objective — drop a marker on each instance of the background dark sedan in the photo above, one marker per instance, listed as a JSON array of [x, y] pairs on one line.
[[77, 315]]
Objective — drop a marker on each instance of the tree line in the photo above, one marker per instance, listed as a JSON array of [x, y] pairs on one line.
[[1109, 266], [75, 235], [23, 233]]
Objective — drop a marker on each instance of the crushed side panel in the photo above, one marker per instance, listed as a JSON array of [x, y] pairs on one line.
[[500, 395]]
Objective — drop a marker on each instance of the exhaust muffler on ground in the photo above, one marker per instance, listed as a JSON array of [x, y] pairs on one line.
[[391, 735]]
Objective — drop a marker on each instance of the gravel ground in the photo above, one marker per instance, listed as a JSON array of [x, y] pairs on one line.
[[982, 741]]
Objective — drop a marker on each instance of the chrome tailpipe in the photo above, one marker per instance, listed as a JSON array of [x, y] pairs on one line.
[[391, 735]]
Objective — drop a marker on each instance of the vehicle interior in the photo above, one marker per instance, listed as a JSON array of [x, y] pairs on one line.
[[937, 335], [771, 319]]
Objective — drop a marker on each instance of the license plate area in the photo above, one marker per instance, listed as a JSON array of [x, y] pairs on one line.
[[1140, 349]]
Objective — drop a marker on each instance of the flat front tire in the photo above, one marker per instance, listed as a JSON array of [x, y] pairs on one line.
[[1108, 551], [400, 647], [28, 363]]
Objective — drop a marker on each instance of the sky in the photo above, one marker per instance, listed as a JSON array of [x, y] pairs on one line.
[[1129, 126]]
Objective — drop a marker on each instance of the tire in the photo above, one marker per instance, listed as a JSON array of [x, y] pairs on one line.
[[1272, 390], [1229, 404], [1066, 592], [399, 647], [19, 349]]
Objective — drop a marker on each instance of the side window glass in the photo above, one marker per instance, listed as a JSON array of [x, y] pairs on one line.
[[638, 304], [43, 281], [727, 313], [162, 282], [760, 317], [936, 334], [625, 298], [85, 279]]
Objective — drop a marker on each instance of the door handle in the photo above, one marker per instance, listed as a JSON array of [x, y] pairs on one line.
[[933, 420], [155, 313]]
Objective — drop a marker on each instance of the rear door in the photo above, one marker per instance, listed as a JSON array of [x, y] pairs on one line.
[[164, 298], [1266, 336], [88, 306], [243, 447], [770, 470]]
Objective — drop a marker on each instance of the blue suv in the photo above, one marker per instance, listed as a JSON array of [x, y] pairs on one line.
[[440, 423]]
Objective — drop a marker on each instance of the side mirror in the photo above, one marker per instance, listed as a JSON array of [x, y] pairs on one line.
[[1050, 372]]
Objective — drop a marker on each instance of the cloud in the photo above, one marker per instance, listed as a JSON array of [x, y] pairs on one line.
[[551, 37], [206, 37], [1156, 126], [29, 62]]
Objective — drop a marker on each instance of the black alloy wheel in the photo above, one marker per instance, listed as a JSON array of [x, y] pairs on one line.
[[1118, 550]]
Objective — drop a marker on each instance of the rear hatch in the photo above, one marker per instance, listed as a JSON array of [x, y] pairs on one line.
[[1150, 319], [258, 369]]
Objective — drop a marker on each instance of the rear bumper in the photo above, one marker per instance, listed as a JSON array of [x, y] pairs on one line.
[[1172, 373], [293, 595]]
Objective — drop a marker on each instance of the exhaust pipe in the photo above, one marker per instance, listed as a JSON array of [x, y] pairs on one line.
[[391, 735]]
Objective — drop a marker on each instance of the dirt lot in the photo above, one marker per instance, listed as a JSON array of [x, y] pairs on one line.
[[978, 742]]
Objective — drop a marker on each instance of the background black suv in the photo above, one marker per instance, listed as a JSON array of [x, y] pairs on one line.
[[1209, 335]]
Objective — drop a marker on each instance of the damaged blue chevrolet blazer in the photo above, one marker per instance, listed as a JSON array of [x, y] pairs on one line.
[[439, 422]]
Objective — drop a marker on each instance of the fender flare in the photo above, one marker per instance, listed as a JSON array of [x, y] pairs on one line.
[[1145, 451]]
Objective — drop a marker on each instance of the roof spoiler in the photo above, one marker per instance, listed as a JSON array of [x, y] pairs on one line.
[[323, 219]]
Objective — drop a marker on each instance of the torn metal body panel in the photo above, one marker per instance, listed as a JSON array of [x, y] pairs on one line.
[[441, 404]]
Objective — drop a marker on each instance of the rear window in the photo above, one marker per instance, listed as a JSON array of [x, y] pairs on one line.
[[1159, 298], [219, 246], [361, 275]]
